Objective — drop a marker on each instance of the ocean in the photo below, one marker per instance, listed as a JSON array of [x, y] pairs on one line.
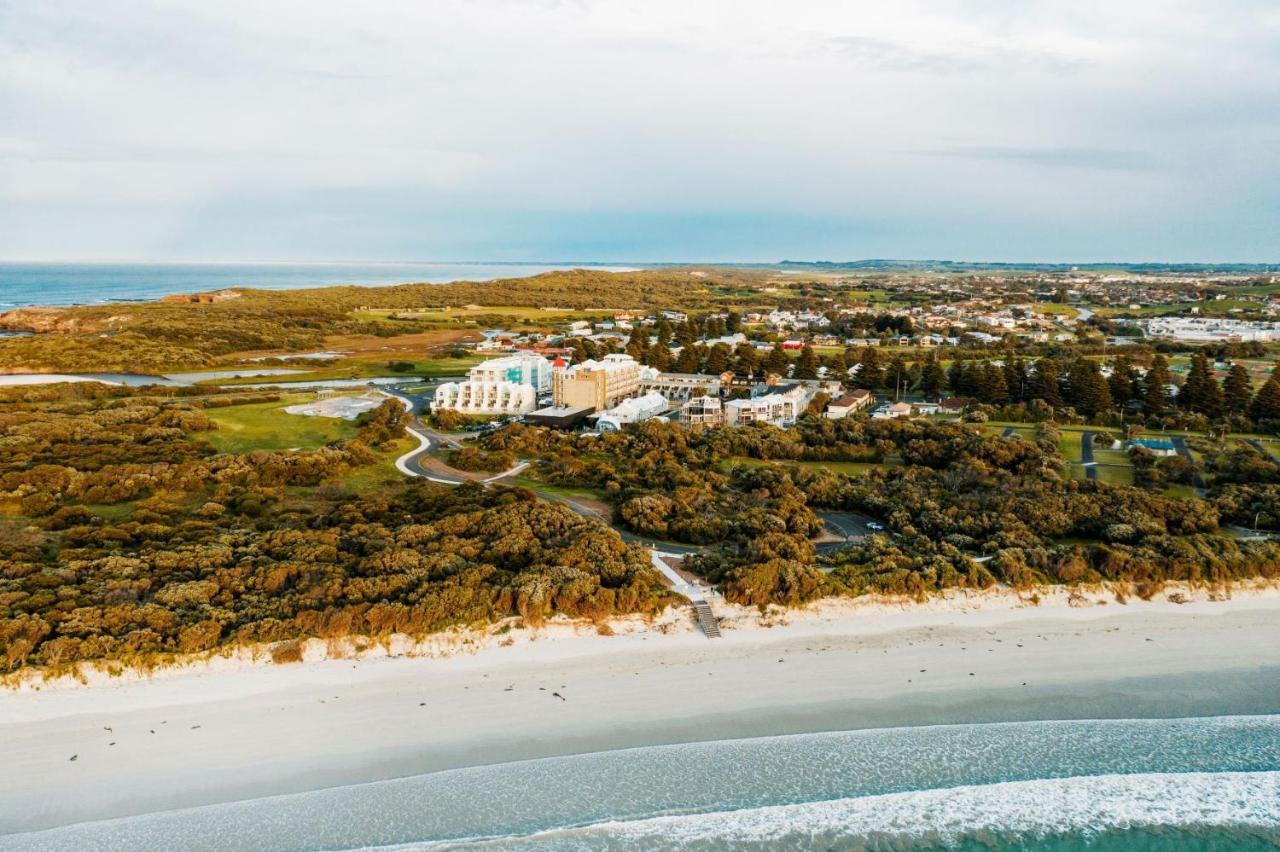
[[1194, 783], [24, 284]]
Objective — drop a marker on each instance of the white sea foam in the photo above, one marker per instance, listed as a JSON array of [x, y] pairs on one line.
[[1079, 805]]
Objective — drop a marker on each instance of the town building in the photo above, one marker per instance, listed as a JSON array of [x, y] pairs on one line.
[[849, 403], [782, 407], [634, 410], [702, 411], [890, 412], [685, 386], [508, 385], [598, 384]]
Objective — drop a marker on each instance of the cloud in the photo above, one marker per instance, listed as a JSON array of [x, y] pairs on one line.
[[899, 56], [1053, 157], [638, 130]]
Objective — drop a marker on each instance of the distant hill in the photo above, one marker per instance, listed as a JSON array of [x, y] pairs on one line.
[[879, 265]]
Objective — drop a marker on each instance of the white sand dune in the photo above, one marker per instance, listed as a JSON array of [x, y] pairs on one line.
[[233, 730]]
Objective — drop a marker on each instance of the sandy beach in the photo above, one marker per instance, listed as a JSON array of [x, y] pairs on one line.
[[234, 729]]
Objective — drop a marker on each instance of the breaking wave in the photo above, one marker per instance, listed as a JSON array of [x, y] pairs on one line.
[[1241, 809]]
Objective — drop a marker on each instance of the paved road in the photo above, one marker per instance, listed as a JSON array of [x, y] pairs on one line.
[[1180, 444], [1086, 454]]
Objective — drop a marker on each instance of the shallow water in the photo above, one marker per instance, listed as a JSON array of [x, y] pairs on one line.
[[1111, 784]]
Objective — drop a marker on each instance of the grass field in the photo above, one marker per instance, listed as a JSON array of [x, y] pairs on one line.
[[265, 426]]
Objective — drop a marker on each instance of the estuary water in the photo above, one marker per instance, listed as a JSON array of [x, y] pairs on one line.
[[23, 284], [1203, 783]]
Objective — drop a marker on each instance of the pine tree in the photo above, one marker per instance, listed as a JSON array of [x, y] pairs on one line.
[[777, 362], [1237, 391], [1155, 393], [932, 378], [1015, 378], [1121, 380], [1266, 403], [871, 376], [1043, 384], [807, 364], [717, 359], [746, 360], [663, 330], [687, 333], [958, 377], [896, 374], [1201, 392], [689, 360], [659, 357], [991, 387], [1090, 394], [733, 322]]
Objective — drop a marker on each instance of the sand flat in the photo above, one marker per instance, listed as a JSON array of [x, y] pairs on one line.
[[243, 731]]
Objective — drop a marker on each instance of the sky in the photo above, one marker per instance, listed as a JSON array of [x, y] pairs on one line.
[[640, 130]]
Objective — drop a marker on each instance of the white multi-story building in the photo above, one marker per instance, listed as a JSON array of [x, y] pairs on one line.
[[634, 410], [499, 386], [702, 411], [524, 368], [781, 408]]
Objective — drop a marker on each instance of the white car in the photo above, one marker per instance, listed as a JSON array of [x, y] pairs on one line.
[[875, 525]]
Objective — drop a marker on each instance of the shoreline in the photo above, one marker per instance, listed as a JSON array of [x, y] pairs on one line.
[[561, 637], [238, 730]]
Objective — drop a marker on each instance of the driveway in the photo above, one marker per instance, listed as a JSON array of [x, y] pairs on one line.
[[1180, 444], [1086, 454]]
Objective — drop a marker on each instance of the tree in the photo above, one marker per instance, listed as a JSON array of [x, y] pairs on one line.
[[807, 364], [958, 378], [746, 360], [1121, 380], [1155, 393], [1043, 384], [689, 360], [733, 322], [1089, 392], [1266, 404], [896, 374], [1237, 391], [777, 361], [1201, 392], [991, 387], [1015, 378], [932, 377], [871, 376], [659, 357], [717, 359]]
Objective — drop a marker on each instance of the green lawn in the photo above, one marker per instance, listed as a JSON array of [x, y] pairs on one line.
[[369, 477], [1115, 475], [1181, 492], [265, 426]]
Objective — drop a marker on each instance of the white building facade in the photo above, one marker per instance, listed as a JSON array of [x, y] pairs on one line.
[[507, 386], [634, 410]]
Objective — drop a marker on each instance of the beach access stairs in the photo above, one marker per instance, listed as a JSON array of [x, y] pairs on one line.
[[695, 592], [706, 620]]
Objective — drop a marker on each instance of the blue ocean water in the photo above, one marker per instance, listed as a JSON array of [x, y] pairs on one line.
[[1198, 783], [94, 283]]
